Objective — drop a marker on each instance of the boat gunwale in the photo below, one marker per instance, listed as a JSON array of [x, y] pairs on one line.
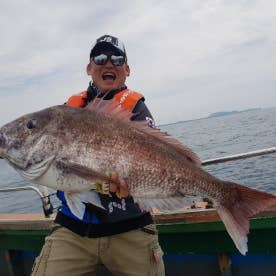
[[186, 221]]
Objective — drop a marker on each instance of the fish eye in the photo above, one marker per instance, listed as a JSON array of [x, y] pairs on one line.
[[31, 124]]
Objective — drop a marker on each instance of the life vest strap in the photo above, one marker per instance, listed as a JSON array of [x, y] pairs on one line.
[[127, 99], [77, 100]]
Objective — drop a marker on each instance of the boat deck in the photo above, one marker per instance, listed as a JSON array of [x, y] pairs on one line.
[[194, 241]]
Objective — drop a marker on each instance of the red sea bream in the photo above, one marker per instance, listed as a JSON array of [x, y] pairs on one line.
[[70, 149]]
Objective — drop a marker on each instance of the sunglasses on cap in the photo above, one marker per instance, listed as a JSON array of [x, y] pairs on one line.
[[102, 59]]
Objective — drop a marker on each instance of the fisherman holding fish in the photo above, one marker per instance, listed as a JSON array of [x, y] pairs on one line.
[[122, 237], [110, 169]]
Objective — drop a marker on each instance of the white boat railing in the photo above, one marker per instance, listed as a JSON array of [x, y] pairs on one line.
[[45, 199], [239, 156]]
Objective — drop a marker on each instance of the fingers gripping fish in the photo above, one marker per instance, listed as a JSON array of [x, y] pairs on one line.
[[70, 149]]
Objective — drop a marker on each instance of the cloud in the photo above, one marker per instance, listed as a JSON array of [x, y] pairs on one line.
[[189, 58]]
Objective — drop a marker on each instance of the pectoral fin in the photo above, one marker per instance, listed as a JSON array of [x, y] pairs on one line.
[[82, 171], [76, 200]]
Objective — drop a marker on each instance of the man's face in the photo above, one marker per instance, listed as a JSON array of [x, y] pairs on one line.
[[108, 77]]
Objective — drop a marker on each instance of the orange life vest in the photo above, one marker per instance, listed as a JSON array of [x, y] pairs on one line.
[[127, 99]]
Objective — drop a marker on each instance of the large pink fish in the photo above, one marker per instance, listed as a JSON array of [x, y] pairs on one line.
[[70, 149]]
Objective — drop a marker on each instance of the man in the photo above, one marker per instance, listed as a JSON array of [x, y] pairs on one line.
[[123, 238]]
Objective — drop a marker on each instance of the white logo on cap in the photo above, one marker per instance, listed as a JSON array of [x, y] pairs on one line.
[[107, 39]]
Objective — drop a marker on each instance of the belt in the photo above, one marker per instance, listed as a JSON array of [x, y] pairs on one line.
[[92, 230]]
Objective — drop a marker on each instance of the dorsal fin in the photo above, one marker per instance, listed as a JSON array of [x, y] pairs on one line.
[[112, 109]]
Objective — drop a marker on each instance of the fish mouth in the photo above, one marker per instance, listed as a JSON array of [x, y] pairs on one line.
[[2, 145], [2, 154], [33, 171]]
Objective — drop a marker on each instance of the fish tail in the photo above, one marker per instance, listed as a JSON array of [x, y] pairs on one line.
[[235, 209]]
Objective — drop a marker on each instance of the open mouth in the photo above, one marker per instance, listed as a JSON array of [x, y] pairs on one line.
[[109, 76]]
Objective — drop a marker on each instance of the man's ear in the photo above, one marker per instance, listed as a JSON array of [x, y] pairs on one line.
[[88, 69], [127, 70]]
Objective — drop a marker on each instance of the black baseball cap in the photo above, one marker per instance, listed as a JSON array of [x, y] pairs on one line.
[[106, 42]]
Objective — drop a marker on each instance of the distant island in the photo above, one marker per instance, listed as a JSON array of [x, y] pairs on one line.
[[216, 114], [225, 113]]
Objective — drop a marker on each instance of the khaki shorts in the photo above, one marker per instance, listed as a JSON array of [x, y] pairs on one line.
[[132, 253]]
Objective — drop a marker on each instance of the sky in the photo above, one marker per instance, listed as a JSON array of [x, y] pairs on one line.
[[189, 58]]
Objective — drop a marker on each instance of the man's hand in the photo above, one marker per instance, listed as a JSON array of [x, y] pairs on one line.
[[122, 189]]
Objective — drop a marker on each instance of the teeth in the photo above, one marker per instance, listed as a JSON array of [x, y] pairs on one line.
[[108, 76]]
